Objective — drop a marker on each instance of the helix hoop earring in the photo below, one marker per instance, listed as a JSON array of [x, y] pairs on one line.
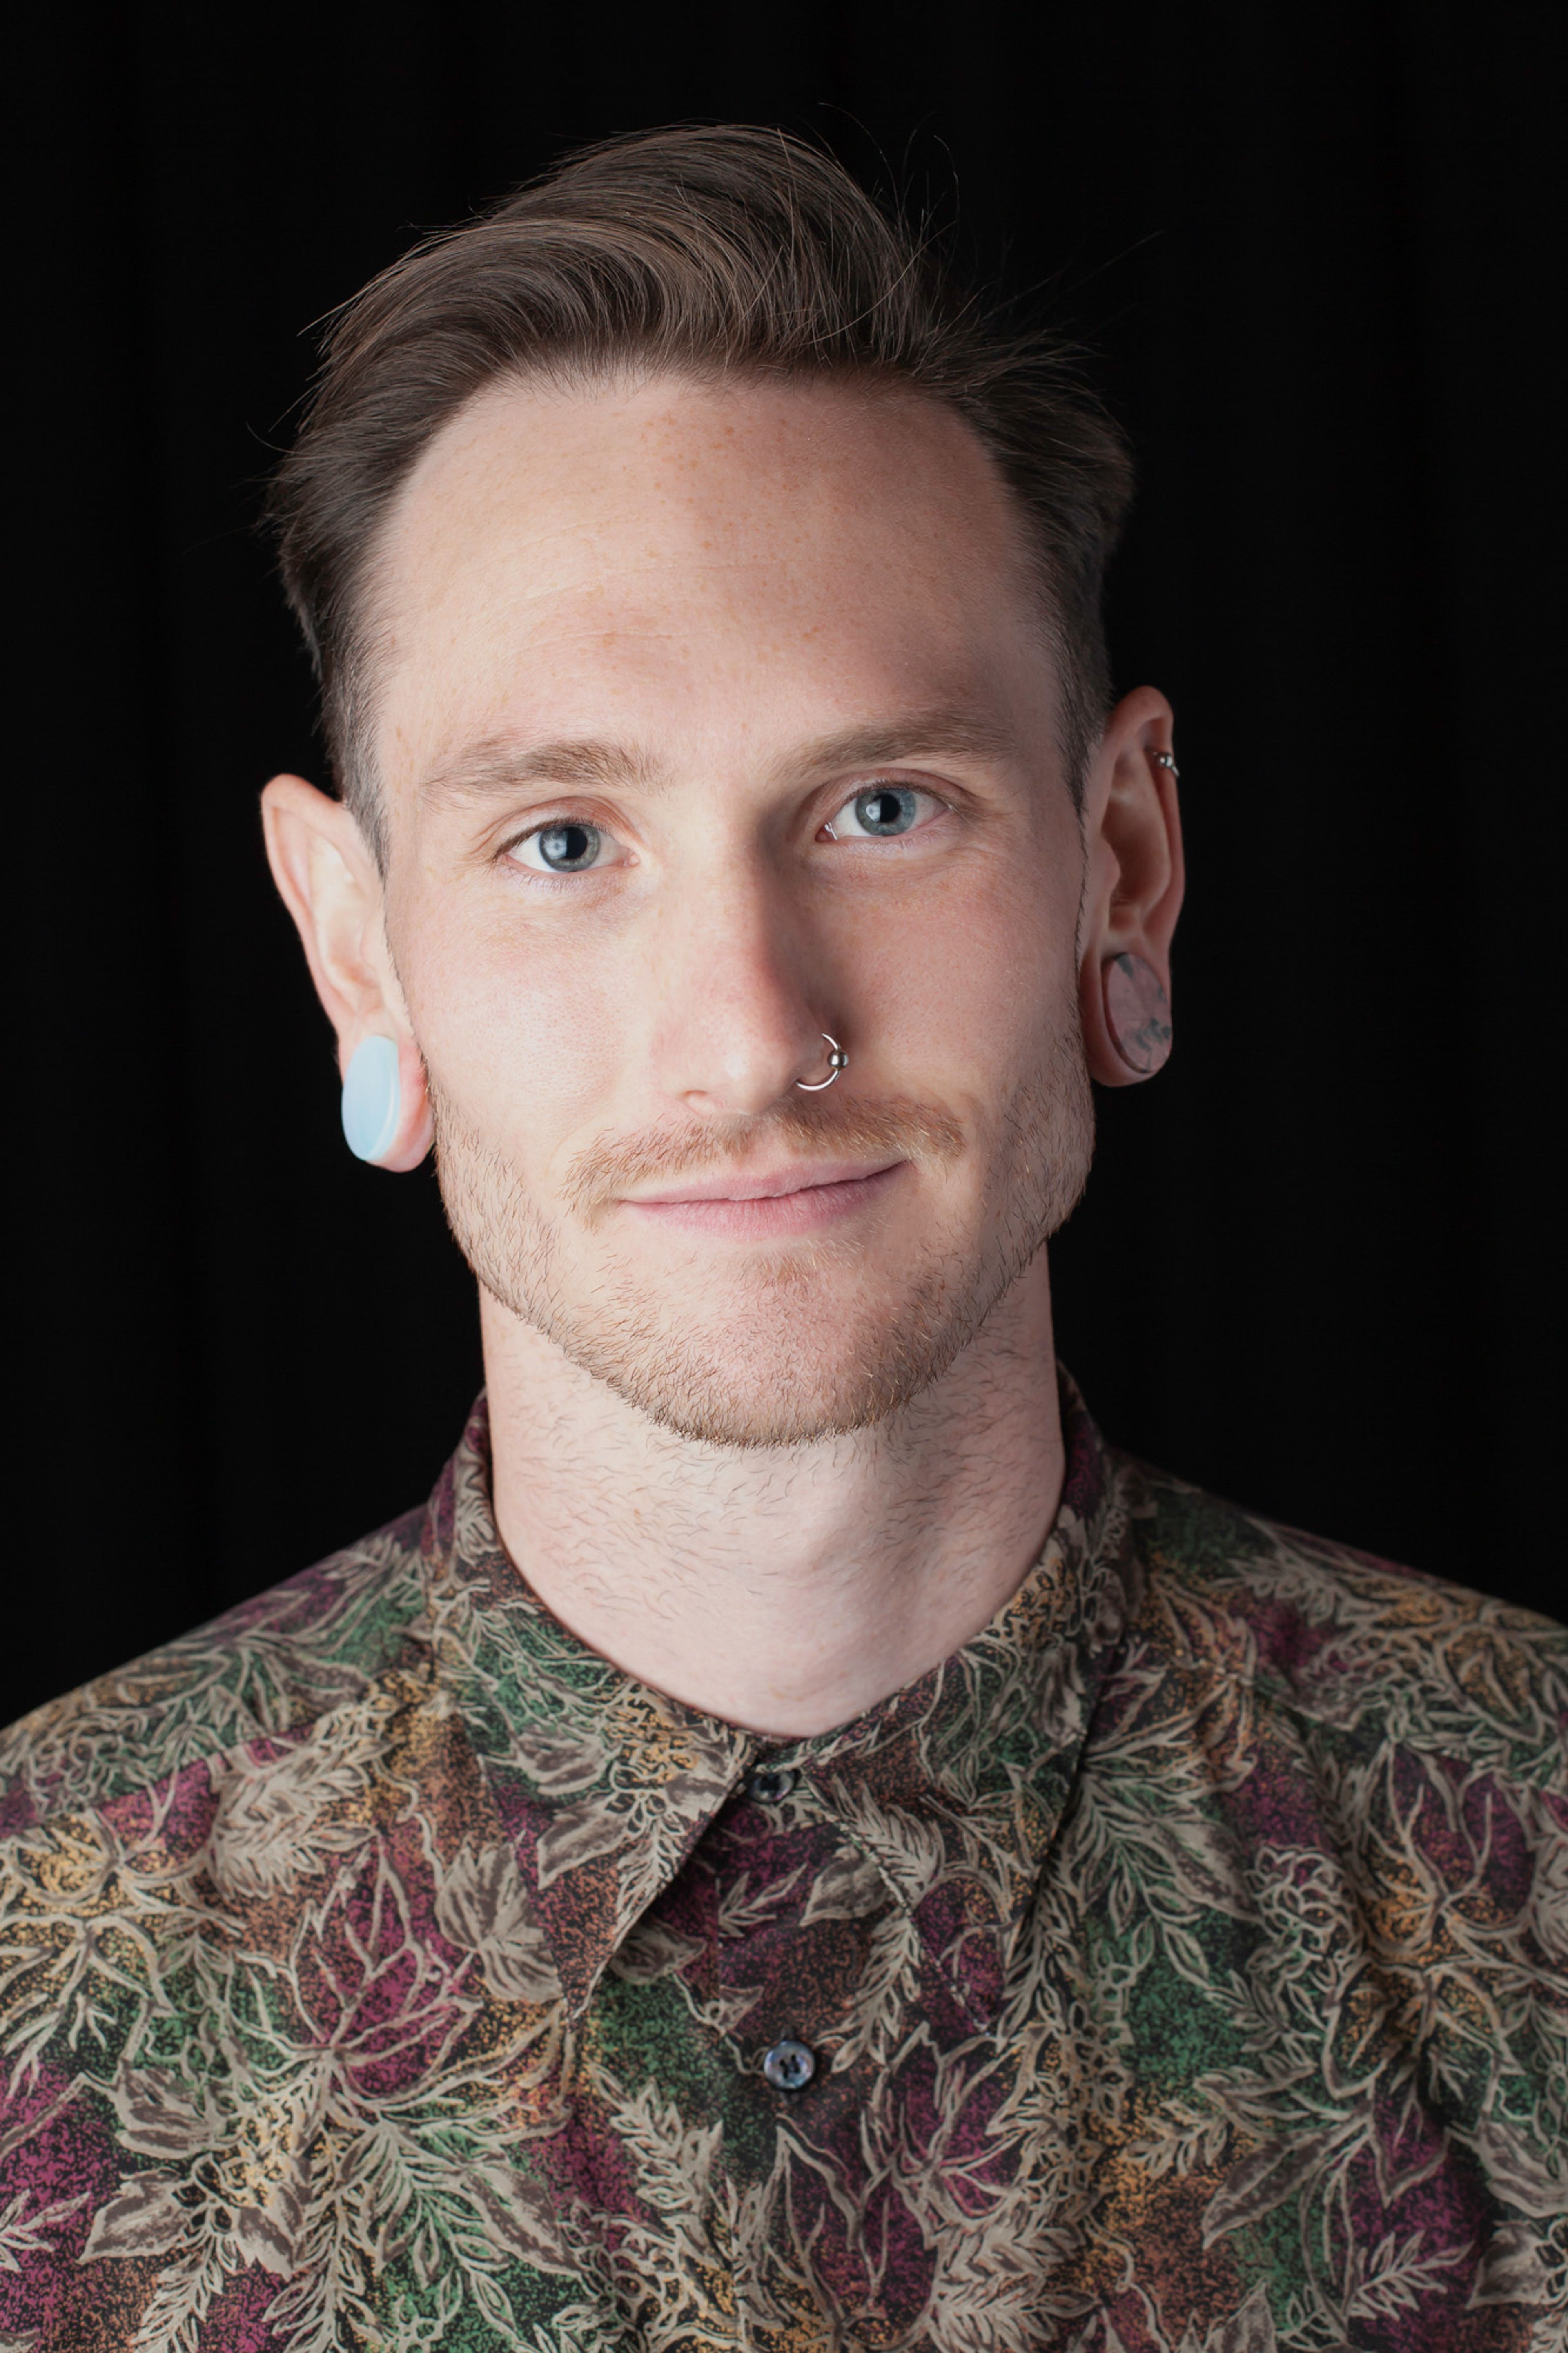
[[837, 1060], [1164, 760]]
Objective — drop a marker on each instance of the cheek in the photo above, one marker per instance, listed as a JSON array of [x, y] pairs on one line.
[[973, 985], [522, 1041]]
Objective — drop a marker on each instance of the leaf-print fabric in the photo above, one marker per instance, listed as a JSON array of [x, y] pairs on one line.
[[1185, 1963]]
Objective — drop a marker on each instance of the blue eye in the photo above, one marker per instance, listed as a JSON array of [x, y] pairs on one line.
[[567, 848], [882, 812], [887, 811]]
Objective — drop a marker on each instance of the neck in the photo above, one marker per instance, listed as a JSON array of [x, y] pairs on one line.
[[785, 1590]]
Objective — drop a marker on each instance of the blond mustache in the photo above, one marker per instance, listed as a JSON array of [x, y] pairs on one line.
[[899, 1128]]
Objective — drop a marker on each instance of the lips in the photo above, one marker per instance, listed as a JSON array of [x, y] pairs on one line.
[[766, 1205], [763, 1184]]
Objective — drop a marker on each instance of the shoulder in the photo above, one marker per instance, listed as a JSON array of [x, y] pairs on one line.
[[267, 1670], [1335, 1638], [1321, 1834]]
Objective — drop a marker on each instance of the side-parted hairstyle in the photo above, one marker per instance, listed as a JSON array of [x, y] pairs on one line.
[[709, 253]]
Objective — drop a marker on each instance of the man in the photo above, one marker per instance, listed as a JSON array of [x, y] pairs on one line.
[[799, 1844]]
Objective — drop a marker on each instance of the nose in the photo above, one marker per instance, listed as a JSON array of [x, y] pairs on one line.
[[735, 990]]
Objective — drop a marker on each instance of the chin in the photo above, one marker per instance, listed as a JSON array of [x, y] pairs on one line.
[[788, 1355], [769, 1388]]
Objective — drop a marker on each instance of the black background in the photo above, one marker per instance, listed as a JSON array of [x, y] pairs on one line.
[[1310, 247]]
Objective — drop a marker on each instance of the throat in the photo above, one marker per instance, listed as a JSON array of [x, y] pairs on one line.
[[783, 1589]]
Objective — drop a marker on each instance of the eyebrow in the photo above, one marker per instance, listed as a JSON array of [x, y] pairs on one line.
[[939, 735], [499, 767]]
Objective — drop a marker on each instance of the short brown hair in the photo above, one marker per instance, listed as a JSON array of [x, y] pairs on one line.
[[696, 252]]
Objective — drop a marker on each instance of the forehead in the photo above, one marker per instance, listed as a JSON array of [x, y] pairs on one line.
[[670, 543]]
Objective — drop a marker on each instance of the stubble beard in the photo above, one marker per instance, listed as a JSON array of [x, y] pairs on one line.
[[796, 1352]]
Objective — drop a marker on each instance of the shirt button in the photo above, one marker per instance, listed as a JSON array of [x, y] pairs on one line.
[[789, 2066], [771, 1783]]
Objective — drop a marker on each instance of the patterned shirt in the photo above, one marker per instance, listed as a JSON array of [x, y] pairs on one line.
[[1181, 1967]]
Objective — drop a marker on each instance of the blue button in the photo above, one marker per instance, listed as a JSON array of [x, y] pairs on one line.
[[789, 2066], [770, 1783]]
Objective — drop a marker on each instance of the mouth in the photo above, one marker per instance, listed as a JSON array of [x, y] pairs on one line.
[[765, 1203]]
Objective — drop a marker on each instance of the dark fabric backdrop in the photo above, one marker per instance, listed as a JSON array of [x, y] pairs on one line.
[[1310, 245]]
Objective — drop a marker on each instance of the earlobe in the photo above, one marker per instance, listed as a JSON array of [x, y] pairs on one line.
[[1137, 1014], [1126, 1014], [386, 1122], [373, 1099]]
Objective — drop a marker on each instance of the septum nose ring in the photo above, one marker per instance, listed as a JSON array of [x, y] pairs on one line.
[[837, 1060]]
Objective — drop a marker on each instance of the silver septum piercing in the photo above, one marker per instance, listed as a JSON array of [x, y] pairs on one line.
[[837, 1060], [1163, 760]]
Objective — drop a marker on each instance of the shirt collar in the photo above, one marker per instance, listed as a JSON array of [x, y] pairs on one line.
[[602, 1787]]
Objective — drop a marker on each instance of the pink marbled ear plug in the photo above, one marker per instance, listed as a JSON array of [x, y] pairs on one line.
[[1137, 1014]]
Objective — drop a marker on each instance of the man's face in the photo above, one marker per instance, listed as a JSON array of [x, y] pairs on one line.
[[711, 721]]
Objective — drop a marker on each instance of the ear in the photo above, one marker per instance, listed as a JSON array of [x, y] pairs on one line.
[[328, 878], [1133, 879]]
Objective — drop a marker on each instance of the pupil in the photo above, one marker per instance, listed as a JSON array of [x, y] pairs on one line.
[[886, 811], [569, 845]]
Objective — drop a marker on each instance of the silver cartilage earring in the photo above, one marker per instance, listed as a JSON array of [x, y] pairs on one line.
[[837, 1060], [1164, 760]]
